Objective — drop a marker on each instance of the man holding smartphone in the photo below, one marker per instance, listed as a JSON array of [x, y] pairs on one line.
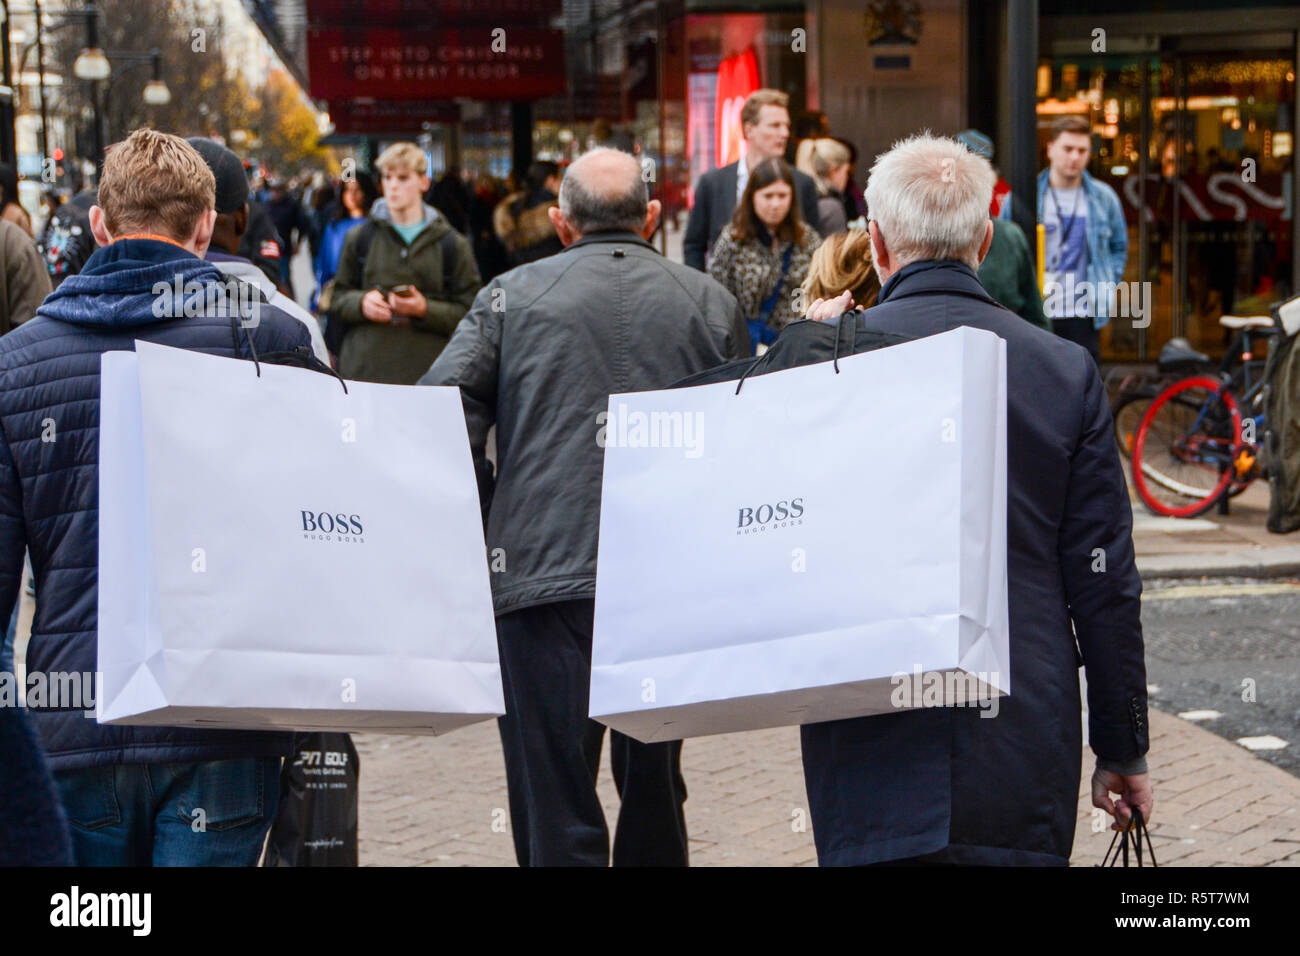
[[404, 281]]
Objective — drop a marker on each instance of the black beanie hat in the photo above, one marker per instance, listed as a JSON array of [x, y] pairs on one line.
[[227, 170]]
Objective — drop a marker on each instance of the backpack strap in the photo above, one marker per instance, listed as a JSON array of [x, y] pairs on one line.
[[364, 238]]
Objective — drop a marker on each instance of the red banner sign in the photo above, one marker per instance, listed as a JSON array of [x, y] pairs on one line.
[[481, 63]]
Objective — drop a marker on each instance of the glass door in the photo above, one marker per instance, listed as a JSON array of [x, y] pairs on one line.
[[1196, 136], [1222, 143]]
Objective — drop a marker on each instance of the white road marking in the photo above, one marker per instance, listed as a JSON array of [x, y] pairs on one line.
[[1266, 742], [1200, 715]]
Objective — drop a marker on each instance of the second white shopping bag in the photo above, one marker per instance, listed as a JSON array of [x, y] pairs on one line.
[[275, 552], [821, 545]]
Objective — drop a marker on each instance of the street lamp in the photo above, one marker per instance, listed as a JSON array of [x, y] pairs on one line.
[[155, 91], [91, 64]]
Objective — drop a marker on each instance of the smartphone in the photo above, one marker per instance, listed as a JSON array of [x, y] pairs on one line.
[[402, 289]]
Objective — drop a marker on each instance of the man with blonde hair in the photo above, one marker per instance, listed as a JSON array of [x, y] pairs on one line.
[[948, 785], [134, 796], [405, 279], [765, 121]]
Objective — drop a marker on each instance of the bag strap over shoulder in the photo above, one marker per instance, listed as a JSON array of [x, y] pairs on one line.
[[769, 304]]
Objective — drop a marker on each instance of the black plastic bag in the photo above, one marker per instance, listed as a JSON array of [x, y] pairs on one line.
[[316, 822]]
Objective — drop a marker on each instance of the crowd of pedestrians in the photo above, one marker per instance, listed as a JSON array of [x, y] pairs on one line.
[[505, 295]]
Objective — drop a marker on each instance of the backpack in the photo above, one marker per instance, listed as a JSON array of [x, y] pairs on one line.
[[336, 331], [1281, 443], [66, 242]]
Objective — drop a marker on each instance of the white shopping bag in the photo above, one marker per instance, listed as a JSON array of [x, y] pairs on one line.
[[277, 553], [816, 547]]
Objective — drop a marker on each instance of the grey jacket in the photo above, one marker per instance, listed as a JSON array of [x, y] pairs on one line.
[[538, 355]]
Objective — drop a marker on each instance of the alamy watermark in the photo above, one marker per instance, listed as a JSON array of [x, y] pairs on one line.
[[946, 689], [52, 690], [1123, 300], [229, 297], [623, 428]]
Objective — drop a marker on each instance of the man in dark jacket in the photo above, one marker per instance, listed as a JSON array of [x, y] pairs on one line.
[[947, 785], [260, 244], [538, 355], [291, 226], [230, 227], [133, 795], [765, 120]]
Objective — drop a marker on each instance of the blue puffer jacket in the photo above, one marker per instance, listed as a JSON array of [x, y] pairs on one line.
[[49, 490]]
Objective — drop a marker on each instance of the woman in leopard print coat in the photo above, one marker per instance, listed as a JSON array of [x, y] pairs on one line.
[[765, 236]]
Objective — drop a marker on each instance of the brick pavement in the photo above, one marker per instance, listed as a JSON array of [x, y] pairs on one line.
[[442, 801]]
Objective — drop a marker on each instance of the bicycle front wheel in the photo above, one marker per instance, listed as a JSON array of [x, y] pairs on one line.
[[1182, 455]]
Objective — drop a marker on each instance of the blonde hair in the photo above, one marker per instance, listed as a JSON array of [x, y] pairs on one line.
[[155, 183], [757, 100], [817, 157], [929, 196], [843, 262], [405, 157]]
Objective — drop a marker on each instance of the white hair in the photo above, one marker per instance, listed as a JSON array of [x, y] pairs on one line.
[[929, 197]]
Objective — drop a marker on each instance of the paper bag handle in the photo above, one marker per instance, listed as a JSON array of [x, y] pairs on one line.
[[301, 356], [1134, 832]]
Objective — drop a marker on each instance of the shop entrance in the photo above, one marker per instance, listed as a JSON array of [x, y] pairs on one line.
[[1196, 135]]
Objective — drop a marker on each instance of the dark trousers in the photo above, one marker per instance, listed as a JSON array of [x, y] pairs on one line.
[[552, 752], [1083, 332]]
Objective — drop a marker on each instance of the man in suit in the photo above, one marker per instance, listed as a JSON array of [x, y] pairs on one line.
[[947, 785], [765, 122]]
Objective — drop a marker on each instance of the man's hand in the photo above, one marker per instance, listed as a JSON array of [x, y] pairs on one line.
[[823, 309], [375, 308], [410, 304], [1134, 791]]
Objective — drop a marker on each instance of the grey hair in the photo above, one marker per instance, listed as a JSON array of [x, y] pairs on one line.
[[623, 208], [929, 197]]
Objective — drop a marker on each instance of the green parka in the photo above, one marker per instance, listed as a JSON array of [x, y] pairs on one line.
[[400, 354]]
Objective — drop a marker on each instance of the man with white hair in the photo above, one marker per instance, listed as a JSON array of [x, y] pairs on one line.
[[538, 355], [947, 785]]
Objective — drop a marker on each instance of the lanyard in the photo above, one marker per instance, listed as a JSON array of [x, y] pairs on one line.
[[1066, 226]]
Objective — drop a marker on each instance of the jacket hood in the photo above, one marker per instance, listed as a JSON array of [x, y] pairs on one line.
[[117, 286], [380, 211]]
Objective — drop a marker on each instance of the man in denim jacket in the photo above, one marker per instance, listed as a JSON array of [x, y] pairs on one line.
[[1086, 238]]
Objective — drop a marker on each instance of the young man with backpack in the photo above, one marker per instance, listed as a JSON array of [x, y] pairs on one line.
[[130, 793], [405, 280]]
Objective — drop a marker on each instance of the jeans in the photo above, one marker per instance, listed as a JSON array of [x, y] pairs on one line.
[[211, 813], [552, 752]]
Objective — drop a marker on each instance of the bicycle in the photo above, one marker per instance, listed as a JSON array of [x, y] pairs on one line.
[[1137, 389], [1195, 447]]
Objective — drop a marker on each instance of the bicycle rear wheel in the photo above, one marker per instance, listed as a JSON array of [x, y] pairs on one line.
[[1127, 416], [1183, 451]]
